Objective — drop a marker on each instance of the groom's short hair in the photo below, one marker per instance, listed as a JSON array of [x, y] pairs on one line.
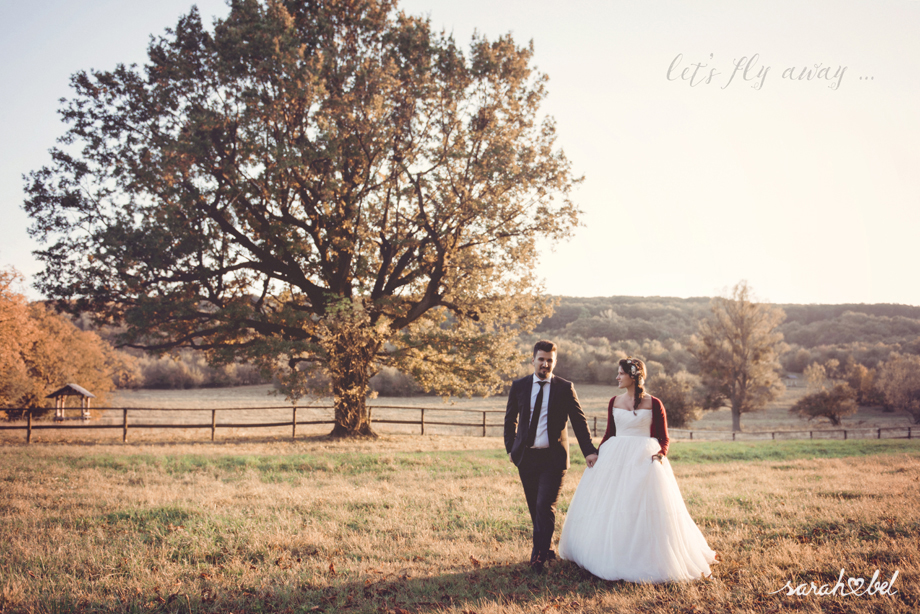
[[543, 346]]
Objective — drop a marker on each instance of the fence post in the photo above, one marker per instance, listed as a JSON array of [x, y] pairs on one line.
[[691, 434], [124, 425], [880, 433], [595, 426], [294, 424], [213, 423], [811, 435], [844, 434], [733, 435], [29, 428], [483, 424], [423, 421], [774, 435], [908, 432]]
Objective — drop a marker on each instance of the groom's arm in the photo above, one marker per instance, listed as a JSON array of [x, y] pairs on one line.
[[580, 426], [512, 411]]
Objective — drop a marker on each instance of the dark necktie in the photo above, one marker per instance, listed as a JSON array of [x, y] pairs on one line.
[[535, 417]]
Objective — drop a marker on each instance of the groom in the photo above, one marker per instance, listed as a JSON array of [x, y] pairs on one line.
[[536, 440]]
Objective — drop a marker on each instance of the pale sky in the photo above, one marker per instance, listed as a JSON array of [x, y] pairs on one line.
[[809, 189]]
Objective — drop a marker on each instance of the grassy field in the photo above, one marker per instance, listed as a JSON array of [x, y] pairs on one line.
[[429, 524]]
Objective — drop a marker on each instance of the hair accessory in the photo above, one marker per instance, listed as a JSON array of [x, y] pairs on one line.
[[633, 369]]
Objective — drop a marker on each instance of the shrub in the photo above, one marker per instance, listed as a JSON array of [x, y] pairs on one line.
[[682, 397], [832, 404], [390, 382], [189, 369]]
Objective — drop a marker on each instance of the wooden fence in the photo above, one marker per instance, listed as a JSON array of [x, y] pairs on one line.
[[125, 425], [596, 424], [885, 432]]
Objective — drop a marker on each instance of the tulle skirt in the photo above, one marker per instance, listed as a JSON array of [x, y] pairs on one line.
[[628, 520]]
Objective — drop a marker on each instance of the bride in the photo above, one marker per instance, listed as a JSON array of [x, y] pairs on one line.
[[627, 520]]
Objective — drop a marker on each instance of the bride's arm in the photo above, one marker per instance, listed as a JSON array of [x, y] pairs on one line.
[[660, 426], [611, 425]]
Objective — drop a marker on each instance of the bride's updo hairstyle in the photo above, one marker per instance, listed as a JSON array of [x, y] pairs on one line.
[[635, 368]]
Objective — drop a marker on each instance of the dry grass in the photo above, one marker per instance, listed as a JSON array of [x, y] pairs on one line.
[[425, 524]]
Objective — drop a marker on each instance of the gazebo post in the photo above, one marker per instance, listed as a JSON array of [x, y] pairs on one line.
[[60, 398]]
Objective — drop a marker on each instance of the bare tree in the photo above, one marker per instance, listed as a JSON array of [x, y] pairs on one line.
[[738, 348]]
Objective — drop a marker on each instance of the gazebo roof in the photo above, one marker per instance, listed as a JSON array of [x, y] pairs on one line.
[[71, 390]]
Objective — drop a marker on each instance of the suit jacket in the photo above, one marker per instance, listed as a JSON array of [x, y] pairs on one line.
[[563, 406], [659, 428]]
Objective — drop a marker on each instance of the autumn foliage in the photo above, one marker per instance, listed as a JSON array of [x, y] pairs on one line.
[[319, 188], [41, 351]]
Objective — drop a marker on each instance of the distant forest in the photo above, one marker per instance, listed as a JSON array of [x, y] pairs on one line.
[[594, 333]]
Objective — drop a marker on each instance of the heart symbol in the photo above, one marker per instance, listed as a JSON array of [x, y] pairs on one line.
[[857, 581]]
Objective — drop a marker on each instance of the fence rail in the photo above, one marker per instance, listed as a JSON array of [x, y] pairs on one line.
[[891, 432], [125, 425]]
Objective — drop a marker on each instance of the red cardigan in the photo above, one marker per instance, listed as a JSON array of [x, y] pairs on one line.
[[659, 428]]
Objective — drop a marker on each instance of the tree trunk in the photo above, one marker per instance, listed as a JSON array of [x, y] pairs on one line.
[[738, 397], [349, 367], [736, 419]]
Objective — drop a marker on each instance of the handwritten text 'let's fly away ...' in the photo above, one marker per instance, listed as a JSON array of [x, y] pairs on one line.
[[748, 69]]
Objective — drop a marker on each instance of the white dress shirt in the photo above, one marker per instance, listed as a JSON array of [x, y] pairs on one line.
[[541, 440]]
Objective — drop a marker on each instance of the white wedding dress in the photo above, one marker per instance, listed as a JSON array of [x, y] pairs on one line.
[[627, 520]]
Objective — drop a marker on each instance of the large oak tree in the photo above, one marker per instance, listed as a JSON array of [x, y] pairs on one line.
[[328, 185]]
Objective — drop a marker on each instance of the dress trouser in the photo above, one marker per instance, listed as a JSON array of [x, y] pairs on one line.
[[542, 480]]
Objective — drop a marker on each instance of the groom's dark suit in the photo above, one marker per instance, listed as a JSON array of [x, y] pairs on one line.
[[542, 470]]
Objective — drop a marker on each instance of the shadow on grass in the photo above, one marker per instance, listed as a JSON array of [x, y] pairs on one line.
[[563, 586], [500, 585]]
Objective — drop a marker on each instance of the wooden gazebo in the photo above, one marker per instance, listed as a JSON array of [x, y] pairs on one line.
[[71, 390]]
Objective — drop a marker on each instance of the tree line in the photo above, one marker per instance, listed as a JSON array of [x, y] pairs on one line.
[[43, 350], [851, 355]]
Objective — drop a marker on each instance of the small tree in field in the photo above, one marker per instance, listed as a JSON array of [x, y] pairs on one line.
[[899, 380], [863, 381], [832, 404], [816, 376], [682, 396], [738, 348], [326, 185]]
